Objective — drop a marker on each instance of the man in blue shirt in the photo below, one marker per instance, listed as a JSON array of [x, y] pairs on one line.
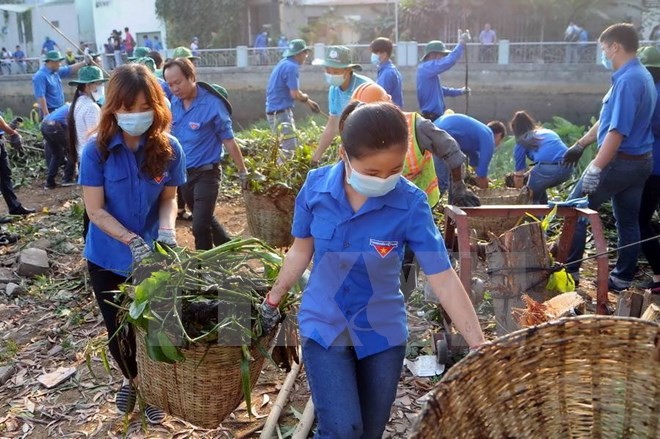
[[54, 129], [201, 122], [388, 75], [282, 90], [49, 45], [147, 42], [340, 75], [430, 92], [157, 45], [6, 185], [624, 159], [477, 140], [47, 82], [19, 58]]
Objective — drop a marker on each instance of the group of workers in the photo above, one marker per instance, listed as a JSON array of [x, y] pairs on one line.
[[358, 220]]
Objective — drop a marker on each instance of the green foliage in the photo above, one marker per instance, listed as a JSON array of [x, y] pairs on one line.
[[185, 20]]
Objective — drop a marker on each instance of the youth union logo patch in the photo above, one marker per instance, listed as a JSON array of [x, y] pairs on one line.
[[194, 125], [383, 248]]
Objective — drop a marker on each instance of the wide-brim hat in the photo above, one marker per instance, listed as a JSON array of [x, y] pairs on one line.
[[184, 52], [649, 56], [87, 75], [139, 52], [295, 47], [338, 57], [435, 46], [53, 55], [147, 62]]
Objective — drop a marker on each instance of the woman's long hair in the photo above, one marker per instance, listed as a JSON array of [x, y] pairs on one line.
[[125, 85], [71, 124], [523, 127]]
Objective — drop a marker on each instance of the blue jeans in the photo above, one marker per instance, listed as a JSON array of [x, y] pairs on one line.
[[352, 398], [622, 181], [282, 124], [544, 176]]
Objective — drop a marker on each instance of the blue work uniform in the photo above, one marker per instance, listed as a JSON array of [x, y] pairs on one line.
[[131, 197], [201, 128], [48, 84], [430, 92], [390, 79], [60, 115], [354, 284], [626, 108], [338, 99], [165, 87], [549, 149], [284, 78], [475, 139], [48, 45], [655, 128]]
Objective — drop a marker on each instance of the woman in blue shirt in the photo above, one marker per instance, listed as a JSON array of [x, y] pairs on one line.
[[129, 173], [354, 220], [543, 147]]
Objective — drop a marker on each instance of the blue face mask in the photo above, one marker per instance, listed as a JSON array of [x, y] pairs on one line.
[[375, 59], [607, 63], [371, 186], [135, 124], [335, 80]]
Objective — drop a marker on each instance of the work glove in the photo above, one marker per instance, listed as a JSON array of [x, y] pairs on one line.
[[314, 106], [464, 37], [461, 196], [87, 58], [167, 237], [572, 156], [466, 91], [139, 249], [16, 141], [590, 179], [270, 316], [244, 178]]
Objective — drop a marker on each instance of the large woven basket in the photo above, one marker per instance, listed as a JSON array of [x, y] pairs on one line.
[[497, 225], [269, 216], [583, 377], [206, 387]]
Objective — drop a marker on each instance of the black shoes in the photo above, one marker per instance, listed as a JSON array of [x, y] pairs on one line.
[[22, 211]]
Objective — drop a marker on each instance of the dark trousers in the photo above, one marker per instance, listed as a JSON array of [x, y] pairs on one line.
[[409, 273], [201, 194], [56, 147], [650, 203], [121, 344], [6, 185], [180, 202]]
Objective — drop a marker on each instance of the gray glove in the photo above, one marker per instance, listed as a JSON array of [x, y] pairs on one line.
[[590, 179], [466, 91], [461, 196], [167, 237], [270, 316], [572, 156], [16, 141], [244, 178], [464, 37], [139, 249]]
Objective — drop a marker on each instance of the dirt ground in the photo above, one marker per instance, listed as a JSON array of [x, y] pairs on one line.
[[46, 327]]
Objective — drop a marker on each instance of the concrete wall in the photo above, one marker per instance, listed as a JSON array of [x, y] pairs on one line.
[[571, 91]]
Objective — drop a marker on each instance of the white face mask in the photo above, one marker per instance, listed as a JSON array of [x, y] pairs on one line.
[[371, 186], [335, 80], [135, 124], [99, 93]]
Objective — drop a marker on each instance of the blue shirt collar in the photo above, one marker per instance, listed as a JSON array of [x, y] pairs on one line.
[[624, 68], [117, 140], [384, 65], [334, 184]]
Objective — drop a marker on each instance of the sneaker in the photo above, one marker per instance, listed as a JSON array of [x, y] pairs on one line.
[[153, 414], [616, 286], [125, 399]]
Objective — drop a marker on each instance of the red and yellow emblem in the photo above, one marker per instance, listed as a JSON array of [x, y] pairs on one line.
[[383, 248]]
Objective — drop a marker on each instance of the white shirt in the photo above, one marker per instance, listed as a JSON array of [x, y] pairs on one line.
[[87, 115]]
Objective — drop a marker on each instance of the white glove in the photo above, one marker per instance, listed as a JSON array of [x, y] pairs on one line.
[[167, 236], [464, 37], [466, 91]]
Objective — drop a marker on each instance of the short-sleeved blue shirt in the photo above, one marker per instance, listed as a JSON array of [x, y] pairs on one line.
[[60, 115], [655, 127], [48, 84], [131, 197], [284, 78], [549, 149], [338, 99], [354, 284], [48, 45], [475, 139], [628, 107], [430, 92], [390, 79], [201, 128], [165, 87]]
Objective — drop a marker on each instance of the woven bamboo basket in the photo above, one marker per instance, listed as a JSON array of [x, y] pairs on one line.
[[582, 377], [206, 387], [270, 216], [497, 225]]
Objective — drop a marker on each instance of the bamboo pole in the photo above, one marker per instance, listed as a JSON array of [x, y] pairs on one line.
[[280, 402], [305, 424]]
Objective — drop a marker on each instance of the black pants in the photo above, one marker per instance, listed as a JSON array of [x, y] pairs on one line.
[[201, 194], [409, 273], [6, 185], [121, 344], [56, 147], [180, 202], [650, 203]]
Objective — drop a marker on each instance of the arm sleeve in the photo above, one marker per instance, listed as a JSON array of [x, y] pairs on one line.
[[292, 79], [439, 143], [486, 150], [451, 92], [438, 66], [91, 166], [388, 81], [39, 86], [64, 71], [623, 111], [222, 122], [519, 157], [302, 214], [90, 119], [334, 104], [178, 165], [424, 239]]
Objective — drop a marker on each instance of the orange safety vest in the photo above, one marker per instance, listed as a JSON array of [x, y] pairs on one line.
[[418, 167]]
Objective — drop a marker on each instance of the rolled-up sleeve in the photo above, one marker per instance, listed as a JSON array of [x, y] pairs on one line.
[[439, 142]]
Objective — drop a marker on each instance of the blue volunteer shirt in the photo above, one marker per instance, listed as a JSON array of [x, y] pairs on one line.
[[284, 78], [655, 127], [390, 79], [628, 107], [131, 197], [338, 99], [474, 138], [430, 92], [48, 45], [165, 87], [48, 84], [550, 149], [354, 284], [201, 128], [60, 115]]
